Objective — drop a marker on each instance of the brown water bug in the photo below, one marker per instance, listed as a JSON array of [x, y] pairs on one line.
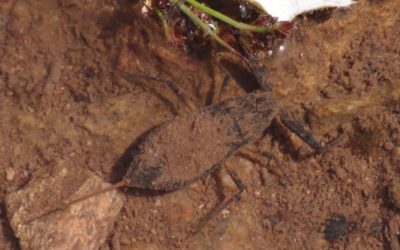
[[191, 146]]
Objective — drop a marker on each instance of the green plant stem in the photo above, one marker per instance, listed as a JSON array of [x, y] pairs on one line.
[[196, 20], [164, 22], [228, 20]]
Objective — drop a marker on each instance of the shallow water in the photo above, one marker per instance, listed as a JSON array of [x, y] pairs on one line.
[[63, 96]]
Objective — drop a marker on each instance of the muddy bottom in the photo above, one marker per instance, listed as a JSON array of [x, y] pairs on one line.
[[83, 81]]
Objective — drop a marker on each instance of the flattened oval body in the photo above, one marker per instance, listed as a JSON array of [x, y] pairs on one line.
[[191, 146]]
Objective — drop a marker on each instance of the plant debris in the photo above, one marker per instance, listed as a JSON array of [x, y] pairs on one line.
[[193, 21]]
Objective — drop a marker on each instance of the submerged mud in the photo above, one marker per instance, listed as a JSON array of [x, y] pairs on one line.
[[63, 97]]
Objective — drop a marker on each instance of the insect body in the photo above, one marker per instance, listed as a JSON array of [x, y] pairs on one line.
[[189, 147]]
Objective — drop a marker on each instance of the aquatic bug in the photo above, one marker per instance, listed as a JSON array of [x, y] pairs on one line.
[[191, 146]]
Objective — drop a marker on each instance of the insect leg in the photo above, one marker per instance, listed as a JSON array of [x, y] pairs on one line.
[[240, 186], [223, 87], [262, 158], [178, 91], [299, 129]]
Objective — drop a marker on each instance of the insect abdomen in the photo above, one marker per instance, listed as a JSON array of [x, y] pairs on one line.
[[189, 147]]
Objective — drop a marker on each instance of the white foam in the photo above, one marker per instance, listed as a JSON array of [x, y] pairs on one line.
[[286, 10]]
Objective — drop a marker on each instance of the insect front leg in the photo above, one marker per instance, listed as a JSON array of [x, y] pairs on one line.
[[299, 129]]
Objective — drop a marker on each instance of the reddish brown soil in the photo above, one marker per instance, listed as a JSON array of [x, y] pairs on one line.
[[62, 96]]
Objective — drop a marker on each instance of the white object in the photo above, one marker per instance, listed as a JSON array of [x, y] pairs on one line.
[[286, 10]]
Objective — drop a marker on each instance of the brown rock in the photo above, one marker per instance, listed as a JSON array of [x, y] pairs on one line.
[[179, 208], [10, 174], [84, 225], [394, 192], [340, 173], [396, 152], [235, 231], [20, 19], [388, 146]]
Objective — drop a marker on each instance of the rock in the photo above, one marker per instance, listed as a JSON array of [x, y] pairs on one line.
[[20, 19], [336, 227], [394, 192], [393, 226], [396, 151], [340, 172], [179, 208], [388, 146], [235, 230], [10, 174], [84, 225], [266, 176]]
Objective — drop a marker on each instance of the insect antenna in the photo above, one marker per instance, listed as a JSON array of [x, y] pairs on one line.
[[70, 203]]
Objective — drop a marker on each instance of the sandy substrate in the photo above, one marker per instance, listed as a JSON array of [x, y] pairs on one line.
[[63, 96]]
